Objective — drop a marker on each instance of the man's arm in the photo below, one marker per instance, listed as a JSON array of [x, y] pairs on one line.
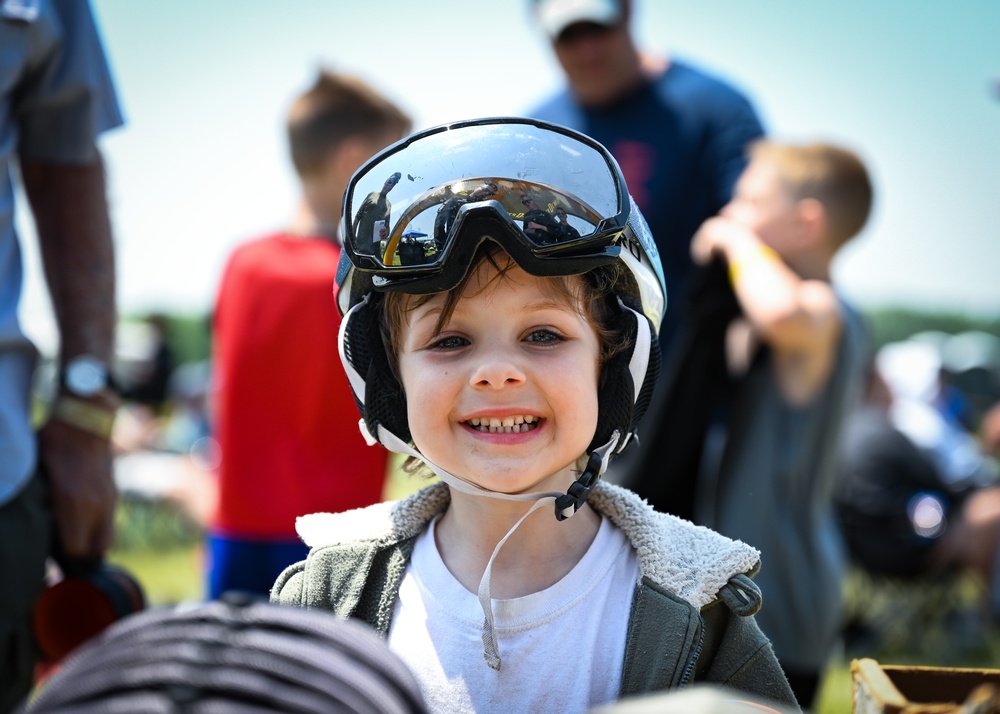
[[798, 318], [71, 217]]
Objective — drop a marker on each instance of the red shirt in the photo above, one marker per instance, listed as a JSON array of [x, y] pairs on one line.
[[285, 416]]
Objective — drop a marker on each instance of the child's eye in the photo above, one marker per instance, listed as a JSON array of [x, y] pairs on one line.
[[543, 336], [449, 343]]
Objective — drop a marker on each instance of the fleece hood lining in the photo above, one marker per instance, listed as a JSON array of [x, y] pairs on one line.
[[692, 561]]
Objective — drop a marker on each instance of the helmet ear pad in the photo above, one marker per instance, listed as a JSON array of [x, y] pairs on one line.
[[620, 407], [384, 401]]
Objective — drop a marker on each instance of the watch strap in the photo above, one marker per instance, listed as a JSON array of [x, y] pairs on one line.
[[85, 416]]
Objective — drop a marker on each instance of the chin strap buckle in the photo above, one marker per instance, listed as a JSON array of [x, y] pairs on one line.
[[570, 502]]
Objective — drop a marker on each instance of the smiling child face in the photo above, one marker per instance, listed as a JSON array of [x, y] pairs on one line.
[[505, 394]]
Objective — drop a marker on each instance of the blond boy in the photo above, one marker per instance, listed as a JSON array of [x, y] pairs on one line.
[[797, 353]]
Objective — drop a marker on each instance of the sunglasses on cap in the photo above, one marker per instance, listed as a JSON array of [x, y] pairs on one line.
[[554, 199]]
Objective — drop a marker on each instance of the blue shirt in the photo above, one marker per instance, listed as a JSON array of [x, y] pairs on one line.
[[56, 96]]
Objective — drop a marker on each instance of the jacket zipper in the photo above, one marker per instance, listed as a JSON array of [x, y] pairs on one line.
[[694, 657]]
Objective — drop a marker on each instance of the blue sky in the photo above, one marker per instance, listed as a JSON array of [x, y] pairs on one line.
[[201, 165]]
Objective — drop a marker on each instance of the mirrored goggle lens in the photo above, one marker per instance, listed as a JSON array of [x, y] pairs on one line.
[[561, 191]]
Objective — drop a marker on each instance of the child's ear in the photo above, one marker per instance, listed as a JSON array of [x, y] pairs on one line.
[[812, 220]]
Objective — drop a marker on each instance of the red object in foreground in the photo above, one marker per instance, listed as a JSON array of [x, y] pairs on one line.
[[75, 609]]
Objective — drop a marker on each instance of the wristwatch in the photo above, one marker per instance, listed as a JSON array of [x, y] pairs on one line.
[[85, 376]]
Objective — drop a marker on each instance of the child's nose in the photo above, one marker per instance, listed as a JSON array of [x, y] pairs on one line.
[[497, 372]]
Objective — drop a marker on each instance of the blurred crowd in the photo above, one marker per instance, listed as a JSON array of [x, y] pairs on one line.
[[919, 492]]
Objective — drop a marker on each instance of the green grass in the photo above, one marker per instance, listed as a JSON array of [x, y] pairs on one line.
[[169, 576], [162, 548], [835, 692]]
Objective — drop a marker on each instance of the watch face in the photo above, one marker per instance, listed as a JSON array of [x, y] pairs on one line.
[[86, 376]]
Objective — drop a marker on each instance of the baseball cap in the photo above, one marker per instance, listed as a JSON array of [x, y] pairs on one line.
[[556, 15]]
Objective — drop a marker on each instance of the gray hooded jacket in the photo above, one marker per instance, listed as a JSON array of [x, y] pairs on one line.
[[691, 617]]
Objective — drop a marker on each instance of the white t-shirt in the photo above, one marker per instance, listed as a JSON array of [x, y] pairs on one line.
[[562, 648]]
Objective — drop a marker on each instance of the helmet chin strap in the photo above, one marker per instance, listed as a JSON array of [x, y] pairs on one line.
[[566, 504]]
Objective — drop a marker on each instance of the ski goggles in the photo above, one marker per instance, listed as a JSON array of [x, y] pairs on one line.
[[554, 199]]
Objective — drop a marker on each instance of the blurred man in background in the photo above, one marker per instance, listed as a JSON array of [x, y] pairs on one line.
[[679, 136], [56, 97]]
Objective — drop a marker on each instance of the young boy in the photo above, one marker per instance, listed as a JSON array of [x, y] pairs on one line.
[[798, 353], [280, 392], [514, 369]]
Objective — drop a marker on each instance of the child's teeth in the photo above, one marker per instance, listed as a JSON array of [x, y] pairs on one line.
[[509, 425]]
